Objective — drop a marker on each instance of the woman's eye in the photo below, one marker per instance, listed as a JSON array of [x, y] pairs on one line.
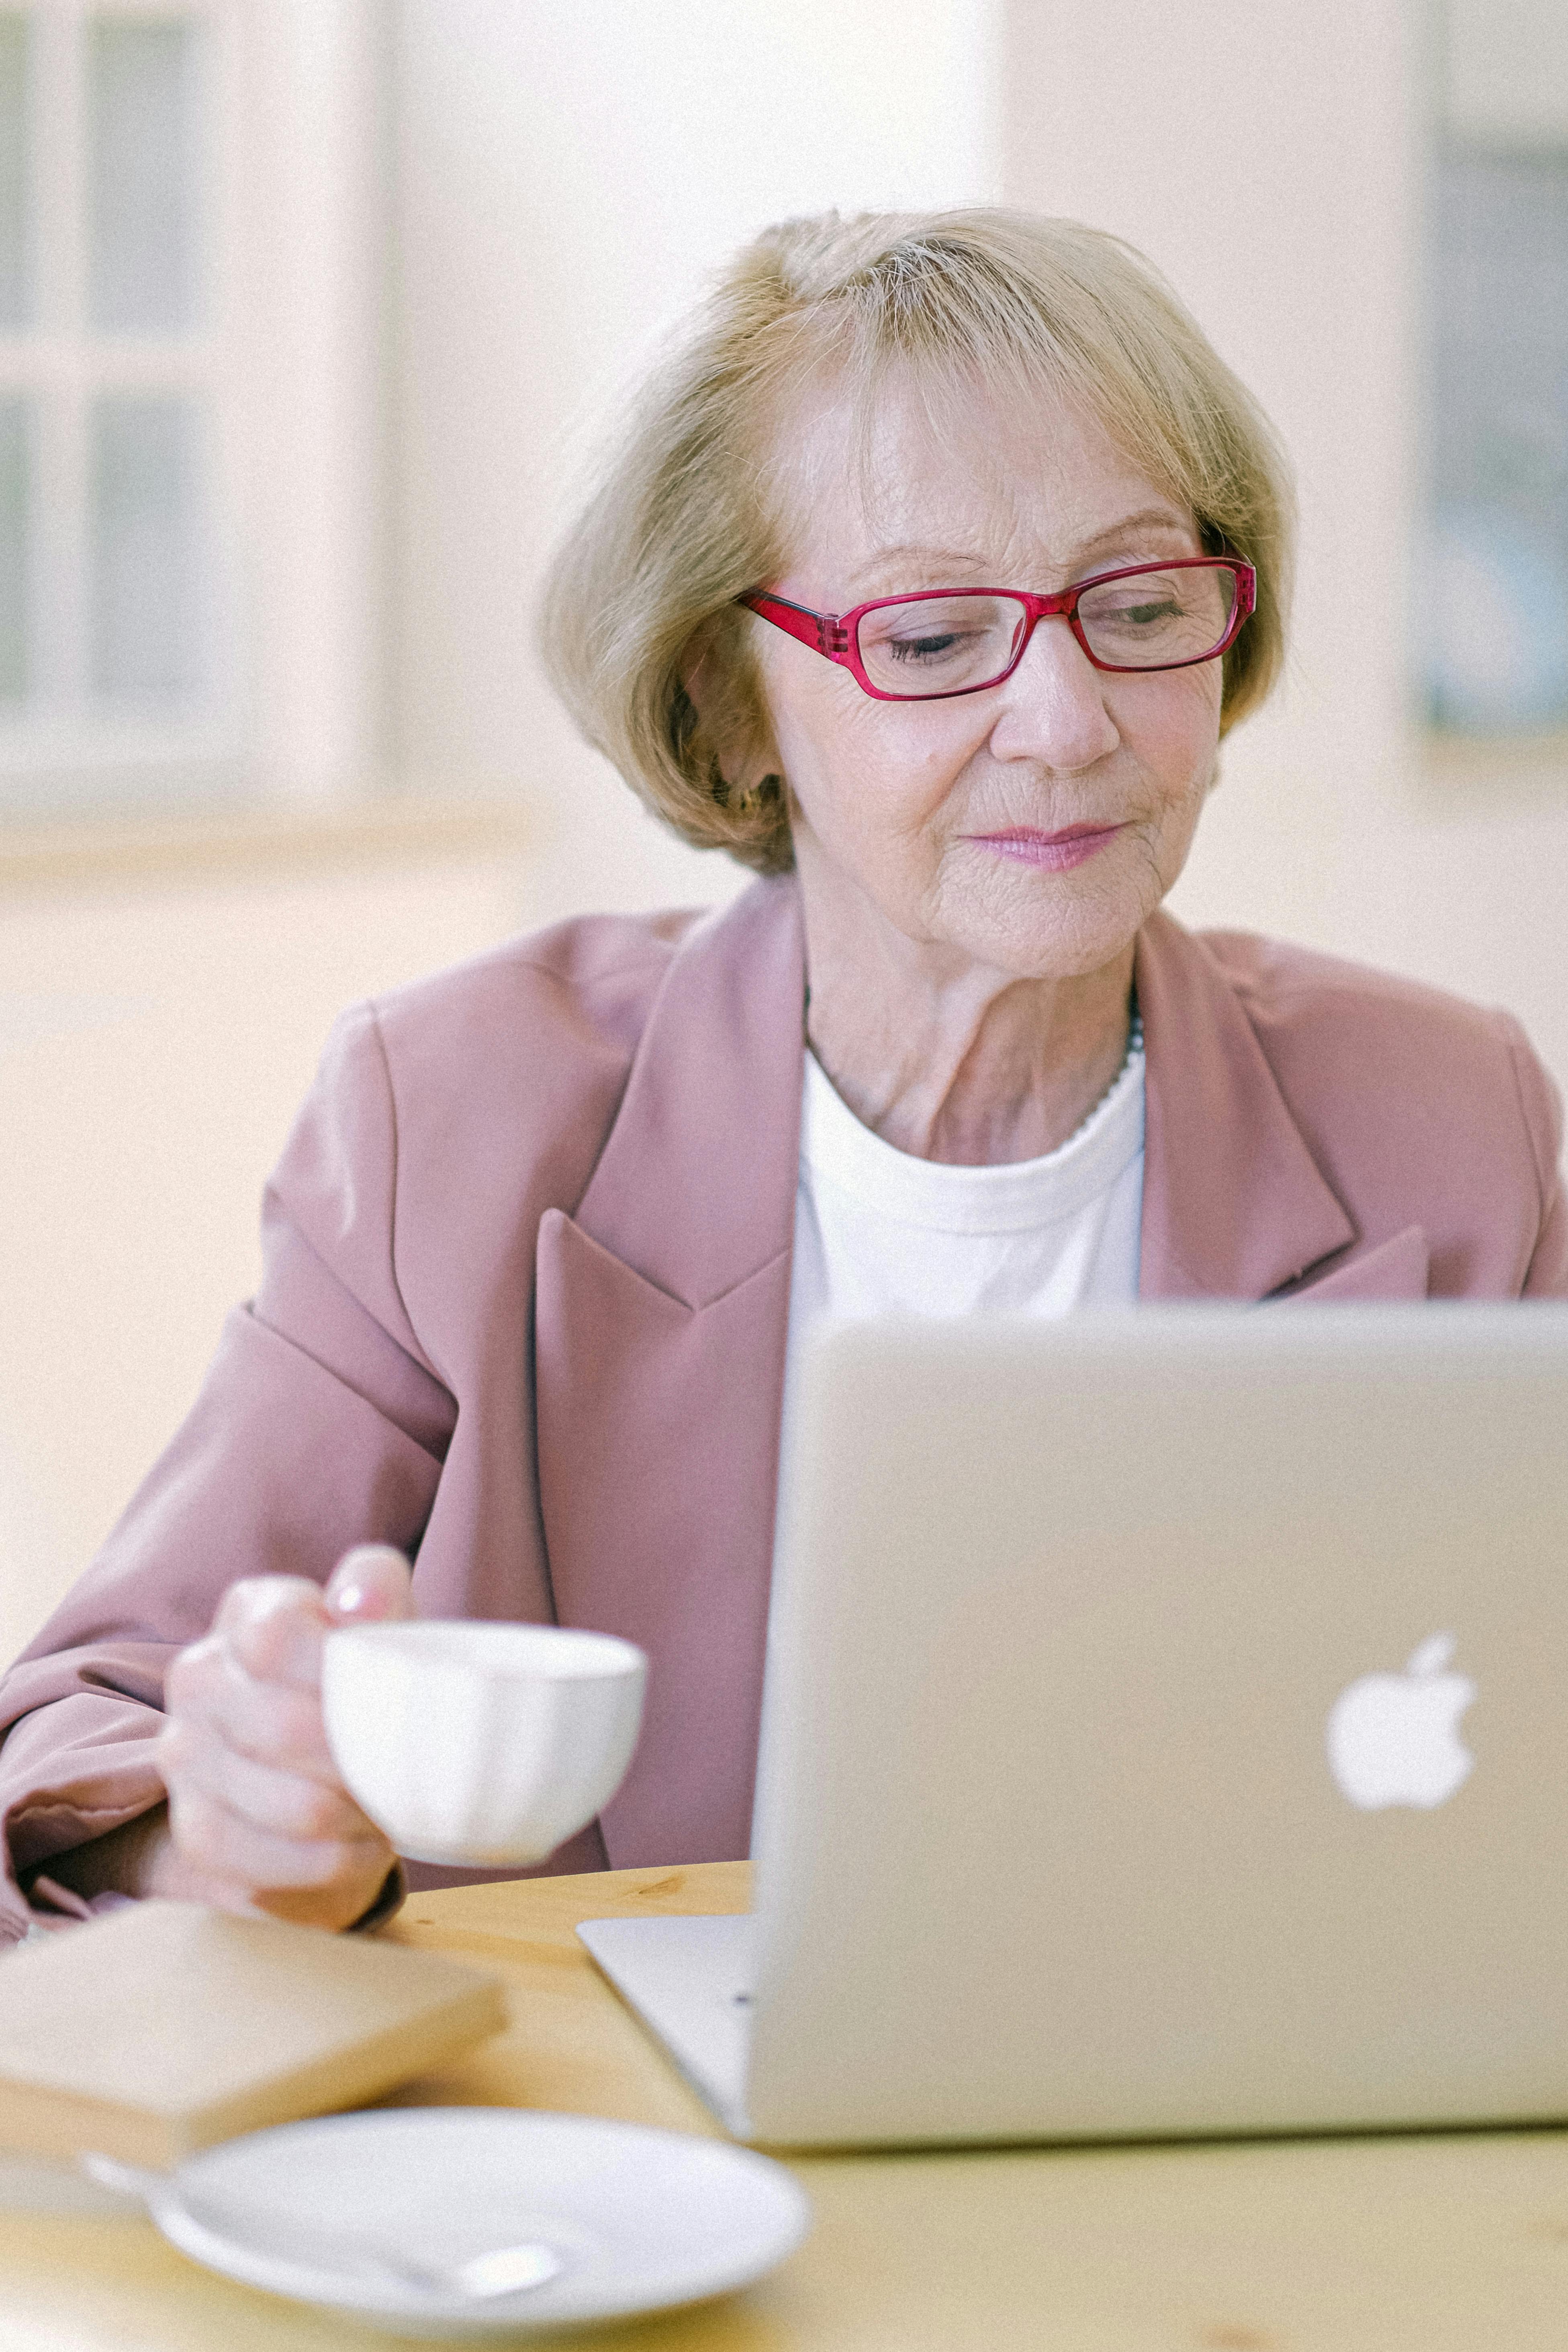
[[1143, 615], [948, 644], [915, 649]]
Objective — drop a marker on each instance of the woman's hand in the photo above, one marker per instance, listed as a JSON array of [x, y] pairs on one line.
[[258, 1817]]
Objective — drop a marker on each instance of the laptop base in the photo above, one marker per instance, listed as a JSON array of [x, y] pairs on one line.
[[690, 1981]]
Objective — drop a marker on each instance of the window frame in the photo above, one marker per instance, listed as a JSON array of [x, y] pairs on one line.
[[1505, 115], [294, 355], [58, 752]]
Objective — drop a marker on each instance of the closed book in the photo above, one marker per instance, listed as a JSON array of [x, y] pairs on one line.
[[167, 2026]]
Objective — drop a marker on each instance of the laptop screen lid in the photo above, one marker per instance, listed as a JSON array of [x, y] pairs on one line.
[[1119, 1673]]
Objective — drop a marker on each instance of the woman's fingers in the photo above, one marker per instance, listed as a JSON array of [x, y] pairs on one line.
[[371, 1582], [257, 1808], [194, 1755], [274, 1723], [215, 1838], [221, 1859], [273, 1627]]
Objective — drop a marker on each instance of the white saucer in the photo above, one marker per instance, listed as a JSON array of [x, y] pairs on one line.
[[641, 2219]]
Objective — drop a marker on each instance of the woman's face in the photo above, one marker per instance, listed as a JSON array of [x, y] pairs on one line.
[[946, 816]]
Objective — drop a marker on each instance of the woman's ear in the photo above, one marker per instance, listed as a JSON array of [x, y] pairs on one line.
[[733, 730]]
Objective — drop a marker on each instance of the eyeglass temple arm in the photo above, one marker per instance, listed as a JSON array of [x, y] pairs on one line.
[[823, 632]]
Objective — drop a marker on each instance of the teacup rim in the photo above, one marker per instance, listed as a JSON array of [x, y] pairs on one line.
[[586, 1653]]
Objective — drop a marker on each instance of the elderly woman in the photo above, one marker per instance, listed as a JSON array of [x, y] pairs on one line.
[[926, 579]]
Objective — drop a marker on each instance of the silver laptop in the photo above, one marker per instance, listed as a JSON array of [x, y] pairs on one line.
[[1166, 1733]]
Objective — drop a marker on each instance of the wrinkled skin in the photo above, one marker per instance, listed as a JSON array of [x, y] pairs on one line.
[[970, 1006]]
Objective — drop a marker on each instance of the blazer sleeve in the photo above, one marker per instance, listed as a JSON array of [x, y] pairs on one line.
[[1547, 1274], [321, 1424]]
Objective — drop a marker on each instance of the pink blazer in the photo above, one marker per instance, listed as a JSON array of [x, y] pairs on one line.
[[527, 1262]]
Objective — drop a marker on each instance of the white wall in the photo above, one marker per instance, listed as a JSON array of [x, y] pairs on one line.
[[1503, 70], [568, 174], [152, 1049], [307, 296], [1271, 160]]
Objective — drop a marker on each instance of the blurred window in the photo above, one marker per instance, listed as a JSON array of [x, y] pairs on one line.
[[117, 659], [14, 288], [1493, 597], [143, 105]]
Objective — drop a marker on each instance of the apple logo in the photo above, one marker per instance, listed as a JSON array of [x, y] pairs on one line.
[[1393, 1739]]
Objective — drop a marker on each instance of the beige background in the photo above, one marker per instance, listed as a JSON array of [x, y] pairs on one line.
[[564, 174]]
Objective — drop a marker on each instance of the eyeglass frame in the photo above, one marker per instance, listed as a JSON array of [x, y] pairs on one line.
[[836, 636]]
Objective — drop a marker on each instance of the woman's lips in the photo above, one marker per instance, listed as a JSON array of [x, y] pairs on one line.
[[1055, 852]]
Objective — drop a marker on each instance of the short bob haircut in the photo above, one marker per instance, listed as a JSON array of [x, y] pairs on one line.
[[687, 512]]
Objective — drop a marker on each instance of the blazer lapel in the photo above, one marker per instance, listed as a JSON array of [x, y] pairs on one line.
[[661, 1312], [1397, 1268], [1234, 1205]]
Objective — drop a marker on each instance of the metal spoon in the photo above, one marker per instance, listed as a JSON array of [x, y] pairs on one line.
[[499, 2271]]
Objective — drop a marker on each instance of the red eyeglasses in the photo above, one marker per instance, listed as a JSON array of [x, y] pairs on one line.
[[950, 641]]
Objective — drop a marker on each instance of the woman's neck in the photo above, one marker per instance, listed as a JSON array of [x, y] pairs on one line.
[[948, 1060]]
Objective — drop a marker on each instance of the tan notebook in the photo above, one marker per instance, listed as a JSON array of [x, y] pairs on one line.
[[166, 2026]]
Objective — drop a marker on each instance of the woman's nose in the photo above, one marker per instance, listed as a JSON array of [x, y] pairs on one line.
[[1053, 704]]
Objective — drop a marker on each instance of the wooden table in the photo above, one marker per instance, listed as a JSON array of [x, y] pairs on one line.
[[1376, 2245]]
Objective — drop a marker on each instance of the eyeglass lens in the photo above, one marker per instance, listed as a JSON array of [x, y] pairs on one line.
[[1149, 620]]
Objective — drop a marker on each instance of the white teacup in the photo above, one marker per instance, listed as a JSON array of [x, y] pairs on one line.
[[480, 1744]]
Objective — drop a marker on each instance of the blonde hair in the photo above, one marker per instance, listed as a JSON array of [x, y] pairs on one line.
[[686, 515]]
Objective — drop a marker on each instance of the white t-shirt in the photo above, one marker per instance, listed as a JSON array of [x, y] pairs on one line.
[[879, 1233]]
